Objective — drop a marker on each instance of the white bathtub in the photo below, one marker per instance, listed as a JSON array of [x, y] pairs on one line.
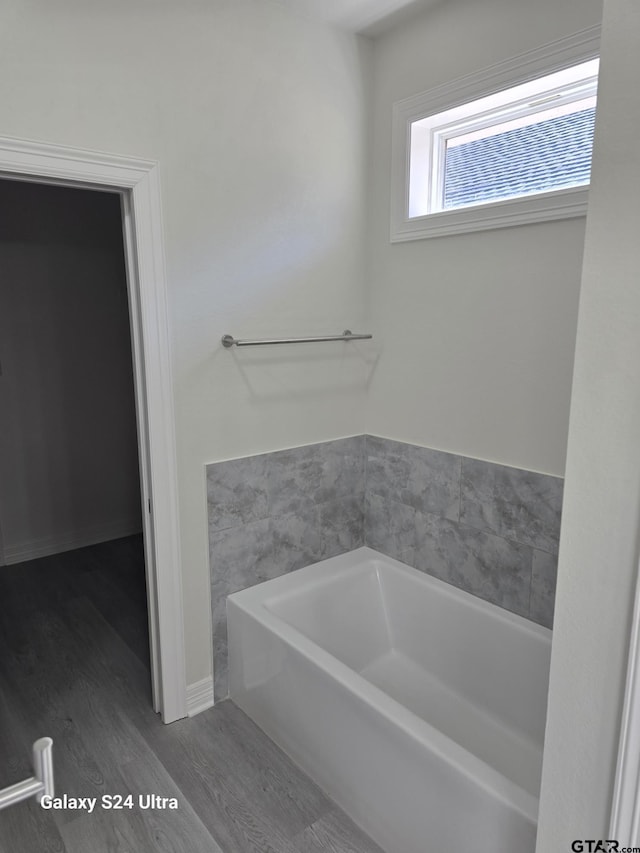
[[418, 708]]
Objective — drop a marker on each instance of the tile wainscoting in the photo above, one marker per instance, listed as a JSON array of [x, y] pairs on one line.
[[276, 512], [489, 529]]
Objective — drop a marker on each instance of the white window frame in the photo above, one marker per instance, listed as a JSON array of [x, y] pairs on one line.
[[556, 204]]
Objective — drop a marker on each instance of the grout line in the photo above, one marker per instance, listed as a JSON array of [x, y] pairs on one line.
[[365, 490]]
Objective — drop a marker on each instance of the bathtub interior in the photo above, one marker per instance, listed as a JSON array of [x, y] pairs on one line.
[[342, 612], [476, 673]]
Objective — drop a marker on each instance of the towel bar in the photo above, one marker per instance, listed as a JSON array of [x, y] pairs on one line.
[[347, 335]]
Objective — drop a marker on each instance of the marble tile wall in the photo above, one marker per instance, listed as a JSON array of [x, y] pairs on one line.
[[487, 528], [276, 512]]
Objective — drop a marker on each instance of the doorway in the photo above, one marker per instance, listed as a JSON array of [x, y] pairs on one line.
[[136, 183], [69, 467], [69, 470]]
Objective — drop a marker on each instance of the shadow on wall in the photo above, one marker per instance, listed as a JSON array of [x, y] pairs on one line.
[[488, 529], [353, 366]]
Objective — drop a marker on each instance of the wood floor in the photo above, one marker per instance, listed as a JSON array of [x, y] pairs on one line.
[[74, 666]]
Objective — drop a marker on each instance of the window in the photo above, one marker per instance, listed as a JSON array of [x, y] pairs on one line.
[[527, 139], [472, 160]]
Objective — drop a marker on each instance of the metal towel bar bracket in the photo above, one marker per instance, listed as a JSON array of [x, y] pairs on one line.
[[347, 335], [40, 783]]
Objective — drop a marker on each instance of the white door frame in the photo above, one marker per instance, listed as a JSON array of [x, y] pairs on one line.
[[137, 182], [625, 811]]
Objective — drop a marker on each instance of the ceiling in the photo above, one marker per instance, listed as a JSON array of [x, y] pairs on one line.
[[365, 16]]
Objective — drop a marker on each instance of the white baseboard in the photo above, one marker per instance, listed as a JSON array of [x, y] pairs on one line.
[[49, 545], [200, 696]]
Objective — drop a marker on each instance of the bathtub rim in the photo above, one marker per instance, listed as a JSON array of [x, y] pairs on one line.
[[254, 603]]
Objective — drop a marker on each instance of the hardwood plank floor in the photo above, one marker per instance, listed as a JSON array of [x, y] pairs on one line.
[[74, 665]]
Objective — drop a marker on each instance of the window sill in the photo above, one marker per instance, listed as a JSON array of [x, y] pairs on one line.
[[543, 207]]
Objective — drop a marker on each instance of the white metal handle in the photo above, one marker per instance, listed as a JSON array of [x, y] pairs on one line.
[[40, 783]]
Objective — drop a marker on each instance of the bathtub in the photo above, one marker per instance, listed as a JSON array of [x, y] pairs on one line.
[[420, 709]]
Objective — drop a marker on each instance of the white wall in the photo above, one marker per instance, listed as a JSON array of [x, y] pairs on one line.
[[68, 448], [257, 118], [598, 560], [476, 331]]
